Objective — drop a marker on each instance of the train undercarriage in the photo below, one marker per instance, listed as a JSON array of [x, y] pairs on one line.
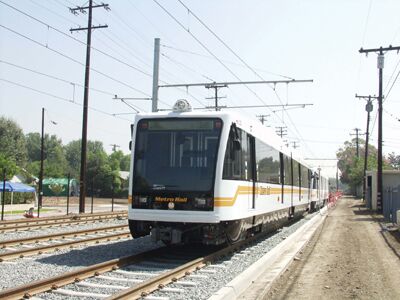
[[219, 233]]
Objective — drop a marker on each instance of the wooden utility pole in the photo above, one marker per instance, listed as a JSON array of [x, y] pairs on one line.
[[281, 131], [89, 28], [262, 118], [40, 200], [368, 108], [381, 59], [357, 130]]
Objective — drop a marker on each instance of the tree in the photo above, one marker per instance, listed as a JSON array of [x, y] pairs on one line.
[[351, 166], [394, 161], [73, 156], [8, 166], [55, 163], [33, 142], [125, 163], [120, 161], [12, 142]]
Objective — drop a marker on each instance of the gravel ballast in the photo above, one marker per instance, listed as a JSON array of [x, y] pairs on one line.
[[208, 280], [11, 235]]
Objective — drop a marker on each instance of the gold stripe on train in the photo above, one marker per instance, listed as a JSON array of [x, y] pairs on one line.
[[248, 190]]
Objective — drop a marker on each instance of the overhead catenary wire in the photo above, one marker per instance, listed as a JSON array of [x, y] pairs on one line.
[[75, 39], [54, 77], [73, 59], [60, 98], [224, 60], [220, 61]]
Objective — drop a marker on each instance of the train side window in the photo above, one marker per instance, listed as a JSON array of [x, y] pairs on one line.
[[296, 173], [287, 168], [237, 163], [268, 163], [304, 177]]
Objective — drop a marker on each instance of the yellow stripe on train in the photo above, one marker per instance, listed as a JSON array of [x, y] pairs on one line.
[[248, 190]]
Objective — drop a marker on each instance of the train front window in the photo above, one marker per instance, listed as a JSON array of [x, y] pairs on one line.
[[176, 154]]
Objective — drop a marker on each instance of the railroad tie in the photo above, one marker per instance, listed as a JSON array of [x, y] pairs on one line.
[[111, 278], [79, 294]]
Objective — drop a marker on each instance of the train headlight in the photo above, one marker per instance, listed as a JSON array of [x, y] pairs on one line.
[[143, 200], [140, 199], [200, 201]]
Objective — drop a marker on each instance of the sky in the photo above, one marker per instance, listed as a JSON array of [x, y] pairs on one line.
[[42, 65]]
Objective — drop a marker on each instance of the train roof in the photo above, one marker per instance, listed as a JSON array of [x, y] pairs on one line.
[[253, 126]]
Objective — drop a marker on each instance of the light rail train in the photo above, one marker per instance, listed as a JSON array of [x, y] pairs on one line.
[[214, 177]]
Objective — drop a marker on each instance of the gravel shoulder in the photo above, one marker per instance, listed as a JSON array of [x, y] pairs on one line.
[[352, 256]]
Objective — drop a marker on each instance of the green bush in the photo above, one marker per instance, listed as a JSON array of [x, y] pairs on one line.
[[19, 198]]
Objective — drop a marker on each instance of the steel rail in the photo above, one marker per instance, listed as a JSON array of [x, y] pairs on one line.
[[49, 237], [56, 247], [49, 225], [142, 289], [145, 288], [40, 286], [56, 219]]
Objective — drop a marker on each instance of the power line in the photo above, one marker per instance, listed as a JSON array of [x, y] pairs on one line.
[[74, 60], [183, 66], [49, 10], [59, 98], [390, 114], [243, 61], [227, 61], [75, 39], [222, 41], [54, 77]]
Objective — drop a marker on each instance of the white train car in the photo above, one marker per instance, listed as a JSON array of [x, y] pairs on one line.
[[213, 177]]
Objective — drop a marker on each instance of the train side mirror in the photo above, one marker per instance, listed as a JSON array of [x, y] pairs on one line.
[[235, 148], [130, 143], [236, 145]]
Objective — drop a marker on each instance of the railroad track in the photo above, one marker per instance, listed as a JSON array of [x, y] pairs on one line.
[[129, 277], [19, 248], [46, 222]]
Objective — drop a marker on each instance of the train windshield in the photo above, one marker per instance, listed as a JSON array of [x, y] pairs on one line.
[[175, 155]]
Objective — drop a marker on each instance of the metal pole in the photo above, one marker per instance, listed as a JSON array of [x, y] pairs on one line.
[[216, 99], [358, 151], [380, 182], [40, 202], [82, 182], [337, 178], [69, 179], [4, 194], [368, 108], [91, 209], [112, 195], [154, 99]]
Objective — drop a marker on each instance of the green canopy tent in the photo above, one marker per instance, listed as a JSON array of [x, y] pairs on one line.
[[59, 187]]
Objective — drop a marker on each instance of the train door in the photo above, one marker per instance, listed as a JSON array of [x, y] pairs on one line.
[[291, 172], [282, 175], [310, 182], [251, 171]]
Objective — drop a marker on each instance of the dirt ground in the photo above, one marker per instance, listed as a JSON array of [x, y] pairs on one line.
[[352, 256]]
